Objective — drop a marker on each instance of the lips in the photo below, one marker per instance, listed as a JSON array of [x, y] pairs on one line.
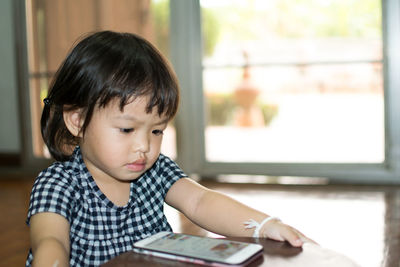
[[137, 166]]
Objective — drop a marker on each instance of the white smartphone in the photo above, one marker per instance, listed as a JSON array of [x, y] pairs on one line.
[[199, 250]]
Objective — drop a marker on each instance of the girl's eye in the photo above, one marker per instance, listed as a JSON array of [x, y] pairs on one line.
[[126, 130], [157, 132]]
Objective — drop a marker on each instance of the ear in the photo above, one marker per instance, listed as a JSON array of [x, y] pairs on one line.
[[74, 121]]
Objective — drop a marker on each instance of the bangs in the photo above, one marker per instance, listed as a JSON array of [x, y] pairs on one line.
[[129, 84], [139, 71]]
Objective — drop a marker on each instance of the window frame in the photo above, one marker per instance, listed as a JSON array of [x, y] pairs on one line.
[[186, 57], [30, 164]]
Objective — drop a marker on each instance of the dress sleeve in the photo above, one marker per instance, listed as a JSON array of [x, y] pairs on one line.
[[169, 172], [52, 192]]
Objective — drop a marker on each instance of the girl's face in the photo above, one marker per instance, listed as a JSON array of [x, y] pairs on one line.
[[122, 145]]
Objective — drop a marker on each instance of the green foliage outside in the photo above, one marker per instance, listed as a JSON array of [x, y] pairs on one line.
[[269, 112], [329, 18], [282, 18], [301, 19], [160, 16], [211, 30], [160, 11], [221, 109]]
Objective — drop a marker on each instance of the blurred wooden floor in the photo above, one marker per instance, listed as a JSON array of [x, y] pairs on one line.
[[14, 240], [362, 222]]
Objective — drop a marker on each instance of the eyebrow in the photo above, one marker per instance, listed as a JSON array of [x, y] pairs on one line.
[[132, 118]]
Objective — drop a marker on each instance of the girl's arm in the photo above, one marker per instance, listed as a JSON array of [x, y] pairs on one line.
[[223, 215], [49, 234]]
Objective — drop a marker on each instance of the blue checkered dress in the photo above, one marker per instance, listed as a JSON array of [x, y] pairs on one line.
[[100, 230]]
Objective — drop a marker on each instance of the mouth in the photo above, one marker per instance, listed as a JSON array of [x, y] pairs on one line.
[[137, 166]]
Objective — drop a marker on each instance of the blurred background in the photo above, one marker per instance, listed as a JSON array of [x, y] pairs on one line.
[[296, 98], [284, 82]]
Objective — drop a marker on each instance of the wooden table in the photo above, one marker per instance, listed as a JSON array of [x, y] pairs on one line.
[[276, 254]]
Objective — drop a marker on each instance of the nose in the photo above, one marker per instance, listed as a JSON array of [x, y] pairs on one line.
[[142, 143]]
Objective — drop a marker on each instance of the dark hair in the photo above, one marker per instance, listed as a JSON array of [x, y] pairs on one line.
[[101, 67]]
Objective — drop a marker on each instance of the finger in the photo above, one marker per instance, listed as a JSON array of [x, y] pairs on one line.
[[304, 238], [308, 240], [295, 238]]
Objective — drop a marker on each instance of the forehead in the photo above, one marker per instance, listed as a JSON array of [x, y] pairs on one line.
[[135, 109]]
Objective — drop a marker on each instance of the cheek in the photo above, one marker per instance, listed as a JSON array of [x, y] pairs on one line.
[[156, 143], [106, 143], [117, 145], [155, 148], [112, 154]]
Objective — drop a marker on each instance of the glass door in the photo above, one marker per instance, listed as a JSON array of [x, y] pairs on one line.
[[297, 88]]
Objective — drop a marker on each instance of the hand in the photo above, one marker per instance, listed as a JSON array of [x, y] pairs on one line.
[[277, 230]]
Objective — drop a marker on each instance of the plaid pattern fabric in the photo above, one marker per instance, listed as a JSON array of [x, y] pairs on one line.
[[100, 230]]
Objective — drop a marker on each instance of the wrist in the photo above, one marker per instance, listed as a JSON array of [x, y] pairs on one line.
[[253, 224]]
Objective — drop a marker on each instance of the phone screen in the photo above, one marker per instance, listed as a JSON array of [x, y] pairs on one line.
[[194, 246]]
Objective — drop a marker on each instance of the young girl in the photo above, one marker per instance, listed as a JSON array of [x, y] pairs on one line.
[[103, 122]]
